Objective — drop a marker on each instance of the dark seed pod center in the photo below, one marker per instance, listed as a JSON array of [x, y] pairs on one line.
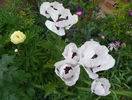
[[74, 54], [57, 27], [46, 12], [67, 69], [95, 56]]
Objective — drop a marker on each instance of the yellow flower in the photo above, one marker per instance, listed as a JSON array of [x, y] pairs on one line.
[[17, 37]]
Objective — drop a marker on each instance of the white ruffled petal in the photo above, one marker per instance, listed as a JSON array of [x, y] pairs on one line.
[[106, 64], [91, 74], [99, 90], [102, 50], [54, 10], [86, 52], [57, 6], [73, 20], [85, 57], [71, 52], [91, 44], [53, 14], [43, 9], [51, 26]]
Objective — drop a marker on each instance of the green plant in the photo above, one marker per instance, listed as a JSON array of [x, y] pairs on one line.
[[29, 73]]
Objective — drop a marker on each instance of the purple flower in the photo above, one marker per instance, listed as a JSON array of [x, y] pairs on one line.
[[130, 12], [79, 12], [117, 43], [114, 45]]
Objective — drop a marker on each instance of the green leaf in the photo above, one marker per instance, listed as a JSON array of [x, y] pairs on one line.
[[123, 93]]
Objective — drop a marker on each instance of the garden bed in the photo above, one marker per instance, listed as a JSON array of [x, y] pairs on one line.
[[65, 50]]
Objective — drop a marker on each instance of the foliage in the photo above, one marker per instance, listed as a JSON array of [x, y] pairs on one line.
[[29, 73], [14, 82]]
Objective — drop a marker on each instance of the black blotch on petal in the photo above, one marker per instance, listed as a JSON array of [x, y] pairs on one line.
[[67, 69], [74, 54], [95, 56], [59, 15], [57, 69], [54, 8], [46, 12], [99, 66], [57, 27], [60, 19], [102, 85], [67, 18]]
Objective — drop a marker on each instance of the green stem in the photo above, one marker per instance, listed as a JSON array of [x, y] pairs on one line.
[[123, 93], [117, 92]]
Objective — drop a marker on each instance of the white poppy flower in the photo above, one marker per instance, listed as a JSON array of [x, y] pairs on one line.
[[71, 52], [51, 26], [43, 9], [101, 87], [94, 57], [62, 18], [68, 71]]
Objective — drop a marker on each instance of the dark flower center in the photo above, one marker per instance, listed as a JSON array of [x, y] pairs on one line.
[[99, 66], [46, 12], [94, 56], [53, 7], [67, 69], [57, 27], [102, 85], [74, 54], [61, 19]]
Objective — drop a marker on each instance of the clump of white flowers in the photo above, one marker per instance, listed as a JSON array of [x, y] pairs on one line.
[[93, 57], [62, 19]]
